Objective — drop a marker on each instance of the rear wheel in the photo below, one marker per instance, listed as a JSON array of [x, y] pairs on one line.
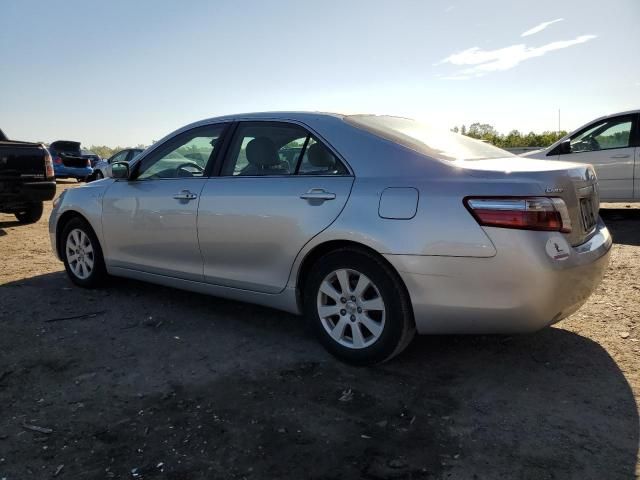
[[31, 214], [358, 307], [82, 254], [98, 175]]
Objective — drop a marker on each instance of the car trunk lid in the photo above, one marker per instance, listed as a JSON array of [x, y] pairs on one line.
[[576, 184], [70, 153]]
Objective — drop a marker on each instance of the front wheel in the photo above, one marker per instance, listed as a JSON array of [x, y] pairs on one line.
[[358, 307], [82, 254], [31, 214]]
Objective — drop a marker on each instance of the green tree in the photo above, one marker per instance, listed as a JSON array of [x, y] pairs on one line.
[[513, 139]]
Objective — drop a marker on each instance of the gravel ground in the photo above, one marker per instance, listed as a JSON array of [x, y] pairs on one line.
[[159, 383]]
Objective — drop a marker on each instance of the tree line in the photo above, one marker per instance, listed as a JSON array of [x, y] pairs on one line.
[[513, 139]]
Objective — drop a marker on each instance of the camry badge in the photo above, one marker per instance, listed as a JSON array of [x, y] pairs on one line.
[[554, 190]]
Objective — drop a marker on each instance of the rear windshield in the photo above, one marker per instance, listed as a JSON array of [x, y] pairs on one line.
[[436, 143]]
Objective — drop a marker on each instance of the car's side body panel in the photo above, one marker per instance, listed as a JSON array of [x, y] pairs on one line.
[[146, 228], [251, 228]]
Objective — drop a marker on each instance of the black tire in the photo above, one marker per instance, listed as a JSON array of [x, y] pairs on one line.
[[399, 327], [98, 273], [31, 214], [98, 175]]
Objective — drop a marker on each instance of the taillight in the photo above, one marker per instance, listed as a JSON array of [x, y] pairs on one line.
[[57, 160], [527, 213], [48, 164], [88, 162]]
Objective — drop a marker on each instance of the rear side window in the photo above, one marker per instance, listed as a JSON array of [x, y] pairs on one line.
[[277, 149]]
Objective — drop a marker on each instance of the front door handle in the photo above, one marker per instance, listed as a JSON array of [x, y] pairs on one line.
[[621, 155], [185, 195], [318, 194]]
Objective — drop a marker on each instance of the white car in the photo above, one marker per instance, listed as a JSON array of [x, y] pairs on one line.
[[612, 145], [101, 169]]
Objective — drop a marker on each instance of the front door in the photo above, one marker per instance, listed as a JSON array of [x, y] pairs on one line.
[[279, 187], [149, 221]]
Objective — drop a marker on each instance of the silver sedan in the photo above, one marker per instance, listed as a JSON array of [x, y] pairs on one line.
[[373, 227]]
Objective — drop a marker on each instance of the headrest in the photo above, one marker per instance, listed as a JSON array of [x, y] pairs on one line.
[[262, 152], [319, 156]]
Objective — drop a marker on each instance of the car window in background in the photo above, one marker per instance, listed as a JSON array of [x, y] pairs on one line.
[[265, 149], [434, 142], [133, 153], [119, 157], [612, 133], [186, 156]]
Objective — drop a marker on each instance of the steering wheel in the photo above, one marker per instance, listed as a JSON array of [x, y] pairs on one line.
[[187, 165]]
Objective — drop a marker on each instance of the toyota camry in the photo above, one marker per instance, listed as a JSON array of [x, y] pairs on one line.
[[372, 227]]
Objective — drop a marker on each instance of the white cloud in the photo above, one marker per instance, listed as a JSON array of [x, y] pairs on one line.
[[539, 28], [485, 61]]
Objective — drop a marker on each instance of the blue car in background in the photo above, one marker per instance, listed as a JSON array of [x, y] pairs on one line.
[[68, 161]]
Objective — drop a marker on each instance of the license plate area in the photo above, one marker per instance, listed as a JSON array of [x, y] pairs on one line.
[[587, 213]]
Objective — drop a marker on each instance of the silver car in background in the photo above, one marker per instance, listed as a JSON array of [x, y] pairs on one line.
[[374, 227]]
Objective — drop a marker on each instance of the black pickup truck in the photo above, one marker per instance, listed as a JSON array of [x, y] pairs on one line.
[[26, 178]]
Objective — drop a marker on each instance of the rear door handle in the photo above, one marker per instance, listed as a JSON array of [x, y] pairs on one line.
[[318, 194], [185, 195], [621, 155]]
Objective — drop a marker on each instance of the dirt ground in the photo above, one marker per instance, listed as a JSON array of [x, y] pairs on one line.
[[159, 383]]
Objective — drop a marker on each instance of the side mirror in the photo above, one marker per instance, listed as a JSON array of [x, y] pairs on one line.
[[120, 170], [565, 147]]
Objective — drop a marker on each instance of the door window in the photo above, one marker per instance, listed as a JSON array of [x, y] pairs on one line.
[[185, 156], [119, 157], [605, 135], [318, 160], [273, 148]]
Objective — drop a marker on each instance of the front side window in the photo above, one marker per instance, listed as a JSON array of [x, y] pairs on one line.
[[184, 156], [270, 148], [605, 135]]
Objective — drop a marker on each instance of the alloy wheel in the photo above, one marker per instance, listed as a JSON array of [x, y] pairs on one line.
[[351, 308], [80, 254]]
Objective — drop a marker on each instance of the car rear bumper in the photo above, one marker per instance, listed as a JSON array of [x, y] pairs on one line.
[[19, 194], [62, 171], [521, 289]]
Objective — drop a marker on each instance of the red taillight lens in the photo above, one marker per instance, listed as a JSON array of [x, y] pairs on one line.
[[48, 165], [88, 162], [57, 161], [527, 213]]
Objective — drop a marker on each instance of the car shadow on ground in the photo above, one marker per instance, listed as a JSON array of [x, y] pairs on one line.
[[624, 224], [210, 387]]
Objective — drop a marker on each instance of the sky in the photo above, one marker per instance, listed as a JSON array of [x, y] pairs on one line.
[[129, 72]]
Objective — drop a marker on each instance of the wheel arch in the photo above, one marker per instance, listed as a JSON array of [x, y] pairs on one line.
[[65, 218], [326, 247]]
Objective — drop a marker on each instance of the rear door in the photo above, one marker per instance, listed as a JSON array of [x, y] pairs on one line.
[[279, 186], [609, 145], [149, 221]]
